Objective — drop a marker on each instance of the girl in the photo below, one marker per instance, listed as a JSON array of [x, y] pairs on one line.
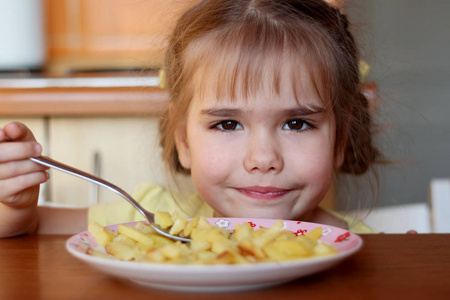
[[265, 108]]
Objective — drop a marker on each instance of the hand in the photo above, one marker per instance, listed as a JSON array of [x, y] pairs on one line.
[[19, 177]]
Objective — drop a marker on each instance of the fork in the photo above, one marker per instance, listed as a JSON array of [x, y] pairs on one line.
[[46, 161]]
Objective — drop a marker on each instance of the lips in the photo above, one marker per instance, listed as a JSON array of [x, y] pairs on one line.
[[263, 192]]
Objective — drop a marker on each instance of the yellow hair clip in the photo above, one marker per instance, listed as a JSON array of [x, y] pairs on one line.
[[162, 79], [364, 70]]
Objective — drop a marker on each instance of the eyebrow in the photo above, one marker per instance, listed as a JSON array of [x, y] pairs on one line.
[[305, 110], [297, 111], [221, 112]]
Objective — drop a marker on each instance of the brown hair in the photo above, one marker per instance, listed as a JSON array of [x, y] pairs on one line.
[[241, 37]]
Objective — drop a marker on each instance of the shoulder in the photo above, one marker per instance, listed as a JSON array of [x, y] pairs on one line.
[[148, 190], [354, 224], [155, 197]]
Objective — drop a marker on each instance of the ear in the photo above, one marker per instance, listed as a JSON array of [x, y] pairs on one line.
[[341, 141], [184, 154], [339, 158]]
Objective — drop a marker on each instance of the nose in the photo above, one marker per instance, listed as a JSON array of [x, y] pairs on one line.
[[263, 155]]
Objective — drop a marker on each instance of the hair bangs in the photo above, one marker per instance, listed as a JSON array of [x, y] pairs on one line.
[[240, 62]]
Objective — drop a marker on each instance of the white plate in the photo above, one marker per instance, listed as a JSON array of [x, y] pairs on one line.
[[222, 277]]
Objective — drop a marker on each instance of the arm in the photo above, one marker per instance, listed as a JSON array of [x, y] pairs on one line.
[[53, 220], [19, 180], [42, 220]]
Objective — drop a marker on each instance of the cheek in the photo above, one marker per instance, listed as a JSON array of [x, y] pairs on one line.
[[314, 164], [325, 165], [212, 163], [322, 177], [317, 172]]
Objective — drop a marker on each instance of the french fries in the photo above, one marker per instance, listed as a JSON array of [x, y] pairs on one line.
[[102, 235], [210, 244]]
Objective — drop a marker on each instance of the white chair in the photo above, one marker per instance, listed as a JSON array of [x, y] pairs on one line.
[[439, 199], [425, 217], [397, 218]]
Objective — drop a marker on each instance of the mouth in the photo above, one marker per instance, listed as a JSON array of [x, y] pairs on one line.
[[263, 192]]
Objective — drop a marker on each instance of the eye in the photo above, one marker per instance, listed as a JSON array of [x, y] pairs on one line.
[[228, 125], [296, 125]]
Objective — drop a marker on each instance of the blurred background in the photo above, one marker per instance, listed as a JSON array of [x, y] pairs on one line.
[[405, 43]]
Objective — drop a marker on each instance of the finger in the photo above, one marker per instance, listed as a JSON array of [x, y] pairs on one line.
[[25, 199], [18, 131], [19, 150], [2, 135], [17, 168], [11, 187]]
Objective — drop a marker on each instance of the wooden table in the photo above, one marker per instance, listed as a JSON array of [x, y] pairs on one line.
[[388, 267]]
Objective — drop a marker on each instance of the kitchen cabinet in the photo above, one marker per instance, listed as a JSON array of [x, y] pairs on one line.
[[122, 150], [109, 34]]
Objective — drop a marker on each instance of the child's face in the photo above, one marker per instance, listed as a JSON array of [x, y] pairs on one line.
[[267, 156]]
